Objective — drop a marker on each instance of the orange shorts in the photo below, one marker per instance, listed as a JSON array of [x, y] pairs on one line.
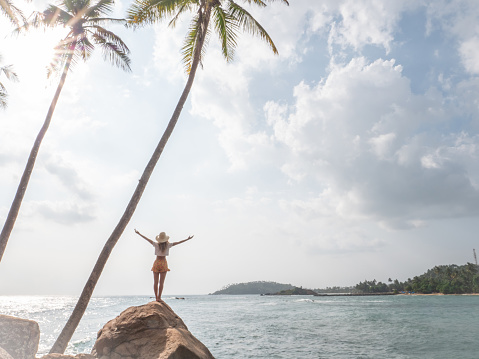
[[160, 265]]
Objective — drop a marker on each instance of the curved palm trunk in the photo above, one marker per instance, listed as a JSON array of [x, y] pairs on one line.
[[22, 187], [62, 341]]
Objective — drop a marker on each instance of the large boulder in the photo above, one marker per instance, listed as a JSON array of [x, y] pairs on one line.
[[150, 331], [19, 337]]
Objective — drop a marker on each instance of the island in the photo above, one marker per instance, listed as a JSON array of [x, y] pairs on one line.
[[442, 279], [258, 287]]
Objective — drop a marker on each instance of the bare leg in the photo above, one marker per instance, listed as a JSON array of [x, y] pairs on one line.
[[156, 275], [162, 282]]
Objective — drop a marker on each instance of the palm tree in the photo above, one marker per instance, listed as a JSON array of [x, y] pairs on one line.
[[228, 18], [83, 18], [9, 74]]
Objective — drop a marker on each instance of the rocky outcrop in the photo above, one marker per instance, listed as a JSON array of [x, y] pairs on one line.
[[19, 337], [150, 331]]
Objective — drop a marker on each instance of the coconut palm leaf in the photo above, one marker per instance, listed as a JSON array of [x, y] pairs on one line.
[[102, 8], [227, 28], [10, 75], [8, 72], [189, 44], [182, 9], [13, 13], [145, 12], [249, 24], [114, 49]]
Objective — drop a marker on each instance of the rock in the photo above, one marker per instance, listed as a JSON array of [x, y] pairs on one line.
[[150, 331], [4, 354], [63, 356], [19, 337]]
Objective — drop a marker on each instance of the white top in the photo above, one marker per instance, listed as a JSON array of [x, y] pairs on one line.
[[158, 252]]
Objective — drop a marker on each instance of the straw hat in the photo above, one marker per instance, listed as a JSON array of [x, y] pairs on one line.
[[162, 237]]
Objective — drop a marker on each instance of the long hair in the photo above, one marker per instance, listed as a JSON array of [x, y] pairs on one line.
[[163, 246]]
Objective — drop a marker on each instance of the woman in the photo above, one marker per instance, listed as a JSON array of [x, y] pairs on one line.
[[160, 266]]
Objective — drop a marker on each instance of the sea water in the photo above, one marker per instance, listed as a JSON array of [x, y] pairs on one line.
[[254, 326]]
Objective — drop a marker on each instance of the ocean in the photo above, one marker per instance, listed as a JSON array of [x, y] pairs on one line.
[[289, 327]]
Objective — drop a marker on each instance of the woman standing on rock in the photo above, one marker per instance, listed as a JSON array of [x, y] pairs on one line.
[[160, 266]]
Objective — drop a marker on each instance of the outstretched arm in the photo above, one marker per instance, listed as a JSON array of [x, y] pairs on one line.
[[183, 241], [142, 236]]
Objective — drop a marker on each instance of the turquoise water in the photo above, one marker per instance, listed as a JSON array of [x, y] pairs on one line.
[[286, 327]]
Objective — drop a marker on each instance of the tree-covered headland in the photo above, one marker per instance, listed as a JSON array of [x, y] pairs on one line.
[[445, 279], [258, 287]]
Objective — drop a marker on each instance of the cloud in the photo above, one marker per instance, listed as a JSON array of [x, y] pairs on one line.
[[367, 23], [458, 19], [63, 212], [68, 176], [469, 51], [360, 134]]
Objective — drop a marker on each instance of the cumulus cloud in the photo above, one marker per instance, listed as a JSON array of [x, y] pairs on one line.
[[361, 134], [367, 22], [374, 148]]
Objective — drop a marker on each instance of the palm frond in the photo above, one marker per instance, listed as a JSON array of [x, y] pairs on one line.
[[54, 16], [101, 21], [12, 76], [101, 8], [145, 12], [257, 2], [84, 48], [249, 24], [62, 51], [51, 17], [183, 8], [3, 96], [14, 14], [192, 40], [226, 27], [9, 73], [189, 45], [76, 6], [114, 49]]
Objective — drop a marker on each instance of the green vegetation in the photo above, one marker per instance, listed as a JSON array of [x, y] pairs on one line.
[[445, 279], [295, 291], [260, 287]]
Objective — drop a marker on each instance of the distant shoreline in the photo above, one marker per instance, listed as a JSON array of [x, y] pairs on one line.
[[370, 294], [422, 294], [387, 293]]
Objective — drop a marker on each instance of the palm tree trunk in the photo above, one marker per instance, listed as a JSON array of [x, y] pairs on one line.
[[22, 187], [62, 341]]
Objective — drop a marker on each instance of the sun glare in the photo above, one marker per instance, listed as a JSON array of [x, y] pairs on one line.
[[33, 52]]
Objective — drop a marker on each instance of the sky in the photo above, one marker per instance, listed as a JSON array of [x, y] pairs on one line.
[[351, 155]]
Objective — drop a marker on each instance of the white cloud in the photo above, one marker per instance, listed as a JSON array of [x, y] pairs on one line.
[[360, 133], [469, 51], [63, 212], [459, 20]]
